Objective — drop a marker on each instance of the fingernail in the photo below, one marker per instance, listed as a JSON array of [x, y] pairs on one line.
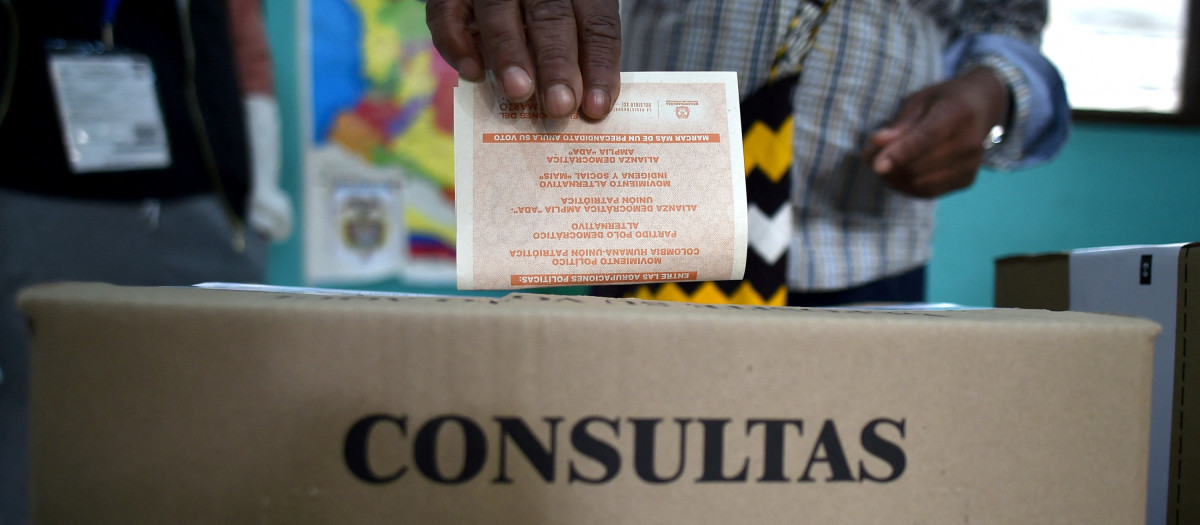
[[517, 84], [598, 101], [560, 100], [469, 68], [489, 79], [883, 165]]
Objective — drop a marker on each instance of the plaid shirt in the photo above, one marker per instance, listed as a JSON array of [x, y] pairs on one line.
[[849, 228]]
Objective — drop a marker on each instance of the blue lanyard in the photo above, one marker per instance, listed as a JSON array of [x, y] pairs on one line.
[[106, 23], [110, 11]]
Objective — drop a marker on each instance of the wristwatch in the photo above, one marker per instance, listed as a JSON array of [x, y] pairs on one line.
[[994, 137]]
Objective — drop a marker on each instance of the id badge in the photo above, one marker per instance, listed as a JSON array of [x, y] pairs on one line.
[[109, 110]]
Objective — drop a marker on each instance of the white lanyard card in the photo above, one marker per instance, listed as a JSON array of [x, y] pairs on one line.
[[109, 111]]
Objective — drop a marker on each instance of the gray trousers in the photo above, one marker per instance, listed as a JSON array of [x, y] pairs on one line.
[[151, 243]]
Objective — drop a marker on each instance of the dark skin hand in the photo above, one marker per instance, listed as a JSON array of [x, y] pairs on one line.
[[567, 53], [935, 144]]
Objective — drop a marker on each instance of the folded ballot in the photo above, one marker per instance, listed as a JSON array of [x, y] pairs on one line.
[[654, 192]]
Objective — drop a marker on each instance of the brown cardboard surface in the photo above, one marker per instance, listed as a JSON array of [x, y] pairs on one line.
[[1183, 502], [1123, 281], [179, 405], [1043, 281]]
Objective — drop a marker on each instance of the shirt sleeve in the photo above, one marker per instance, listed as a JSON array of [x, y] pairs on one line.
[[1005, 35]]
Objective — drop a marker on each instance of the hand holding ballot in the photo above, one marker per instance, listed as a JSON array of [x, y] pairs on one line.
[[653, 193], [845, 149], [566, 52]]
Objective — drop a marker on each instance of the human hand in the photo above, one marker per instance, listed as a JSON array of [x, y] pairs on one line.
[[567, 52], [935, 144]]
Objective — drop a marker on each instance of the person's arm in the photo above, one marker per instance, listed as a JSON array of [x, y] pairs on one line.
[[567, 53], [270, 210], [1040, 118], [936, 143]]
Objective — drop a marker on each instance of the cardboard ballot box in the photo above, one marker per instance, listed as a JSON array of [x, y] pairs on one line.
[[186, 405], [1150, 281]]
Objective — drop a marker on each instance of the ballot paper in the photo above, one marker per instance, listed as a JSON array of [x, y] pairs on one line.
[[655, 192]]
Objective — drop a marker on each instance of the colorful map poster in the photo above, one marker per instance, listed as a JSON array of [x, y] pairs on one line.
[[379, 159]]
